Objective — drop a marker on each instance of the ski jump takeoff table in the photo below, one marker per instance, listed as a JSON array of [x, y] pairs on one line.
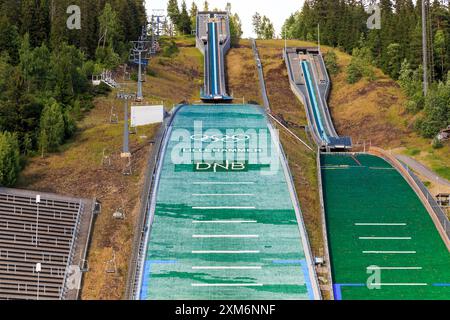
[[225, 228]]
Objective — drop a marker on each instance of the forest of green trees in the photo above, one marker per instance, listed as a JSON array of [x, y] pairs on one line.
[[46, 68], [396, 48]]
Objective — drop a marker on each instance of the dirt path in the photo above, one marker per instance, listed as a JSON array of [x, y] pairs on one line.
[[423, 170]]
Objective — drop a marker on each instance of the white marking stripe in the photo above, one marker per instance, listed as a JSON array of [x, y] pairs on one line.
[[218, 208], [393, 268], [398, 284], [224, 251], [225, 221], [380, 224], [223, 194], [227, 284], [385, 238], [225, 236], [390, 252], [209, 182], [224, 268]]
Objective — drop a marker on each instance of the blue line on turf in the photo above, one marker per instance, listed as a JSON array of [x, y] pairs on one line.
[[337, 288], [148, 274]]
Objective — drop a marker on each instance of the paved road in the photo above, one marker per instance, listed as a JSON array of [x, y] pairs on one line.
[[421, 169]]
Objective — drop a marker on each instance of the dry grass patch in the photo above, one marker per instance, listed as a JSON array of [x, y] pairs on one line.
[[242, 73]]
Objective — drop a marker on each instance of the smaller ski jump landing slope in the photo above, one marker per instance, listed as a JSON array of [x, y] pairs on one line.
[[225, 224], [383, 242]]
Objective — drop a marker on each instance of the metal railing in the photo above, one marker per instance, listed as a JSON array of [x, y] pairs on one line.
[[440, 214], [76, 230], [262, 82], [324, 223], [437, 215]]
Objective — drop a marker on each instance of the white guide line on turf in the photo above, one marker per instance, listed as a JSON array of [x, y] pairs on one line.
[[225, 236], [226, 268], [393, 268], [222, 195], [219, 182], [223, 208], [225, 221], [384, 238], [227, 284], [380, 224], [224, 251], [398, 284], [390, 252]]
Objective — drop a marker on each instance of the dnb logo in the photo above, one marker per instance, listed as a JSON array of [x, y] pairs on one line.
[[226, 166]]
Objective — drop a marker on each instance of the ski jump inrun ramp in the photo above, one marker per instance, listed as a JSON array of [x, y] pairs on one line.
[[311, 84]]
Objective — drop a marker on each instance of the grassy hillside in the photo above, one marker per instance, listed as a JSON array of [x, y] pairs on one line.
[[77, 169]]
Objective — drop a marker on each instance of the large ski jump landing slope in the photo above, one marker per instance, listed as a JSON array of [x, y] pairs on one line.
[[229, 234]]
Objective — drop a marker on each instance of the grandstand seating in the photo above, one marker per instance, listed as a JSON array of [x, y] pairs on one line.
[[46, 232]]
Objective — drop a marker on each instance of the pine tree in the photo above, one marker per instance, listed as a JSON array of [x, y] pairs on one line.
[[9, 40], [440, 50], [267, 29], [173, 11], [206, 6], [26, 57], [35, 20], [257, 22], [235, 26], [395, 58], [184, 21], [51, 127], [193, 13], [9, 159]]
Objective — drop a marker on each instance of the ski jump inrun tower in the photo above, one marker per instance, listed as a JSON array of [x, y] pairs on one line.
[[214, 41]]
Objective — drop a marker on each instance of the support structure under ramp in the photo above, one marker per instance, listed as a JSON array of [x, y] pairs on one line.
[[213, 39], [311, 84]]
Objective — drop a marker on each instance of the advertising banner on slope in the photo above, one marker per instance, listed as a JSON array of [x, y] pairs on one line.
[[144, 115]]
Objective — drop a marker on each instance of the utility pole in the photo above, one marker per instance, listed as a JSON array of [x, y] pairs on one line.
[[318, 36], [424, 48]]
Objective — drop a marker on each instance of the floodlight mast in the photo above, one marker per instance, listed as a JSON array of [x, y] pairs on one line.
[[424, 48]]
